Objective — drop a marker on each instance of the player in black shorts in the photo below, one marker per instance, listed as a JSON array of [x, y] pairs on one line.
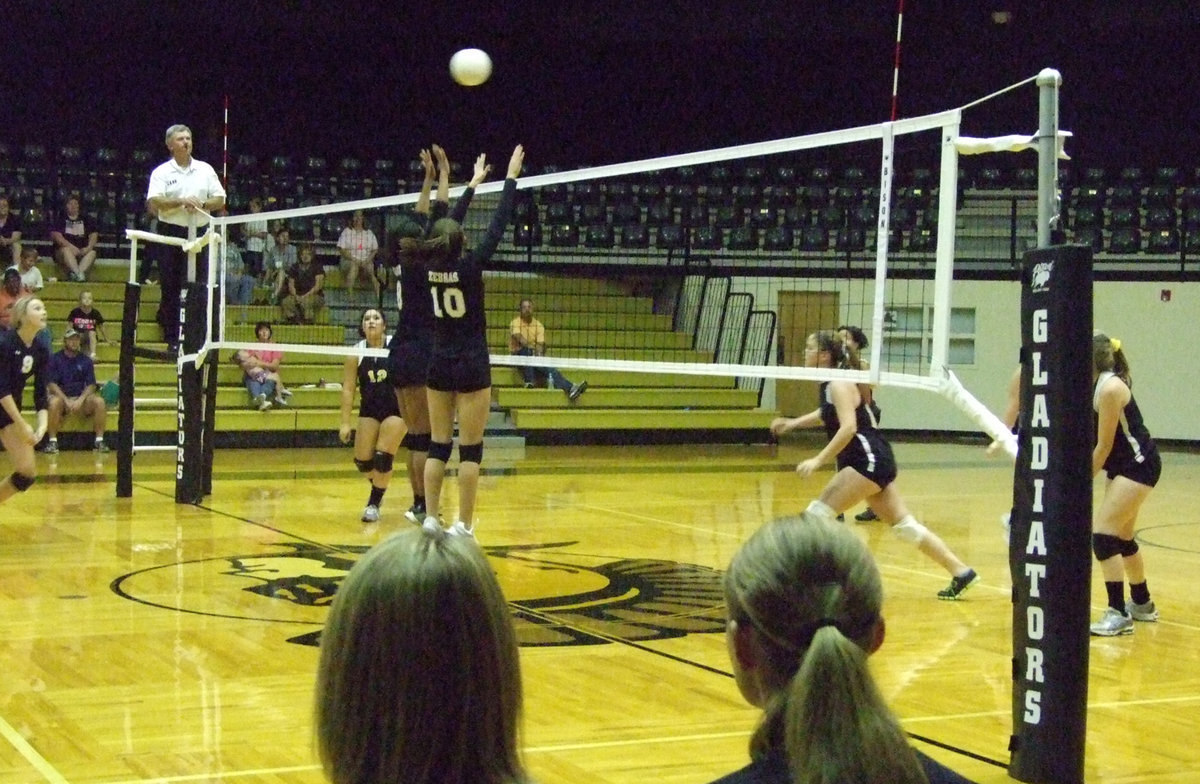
[[1129, 457], [866, 468], [22, 355], [412, 343], [380, 427], [460, 374]]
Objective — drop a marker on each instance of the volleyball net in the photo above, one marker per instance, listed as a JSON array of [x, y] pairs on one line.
[[699, 264]]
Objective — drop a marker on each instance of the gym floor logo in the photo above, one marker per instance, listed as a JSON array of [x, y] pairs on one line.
[[557, 597]]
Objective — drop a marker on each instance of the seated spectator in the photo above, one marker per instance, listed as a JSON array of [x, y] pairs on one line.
[[269, 360], [87, 320], [239, 280], [260, 383], [71, 386], [280, 259], [11, 290], [404, 695], [31, 276], [804, 598], [359, 246], [10, 234], [305, 281], [527, 338], [74, 241]]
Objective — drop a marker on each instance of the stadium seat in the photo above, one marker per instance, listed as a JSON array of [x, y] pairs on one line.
[[695, 214], [586, 193], [779, 195], [707, 238], [1089, 235], [1124, 216], [1125, 240], [922, 239], [683, 194], [660, 212], [796, 217], [1088, 215], [728, 216], [743, 238], [599, 236], [527, 235], [564, 236], [1191, 217], [1160, 216], [1163, 241], [669, 237], [814, 238], [592, 213], [746, 196], [851, 239], [763, 217], [1191, 242], [559, 212], [635, 236], [779, 238], [1026, 179], [626, 213], [831, 216]]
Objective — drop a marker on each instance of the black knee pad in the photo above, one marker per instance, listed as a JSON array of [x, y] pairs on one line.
[[439, 451], [1105, 546], [22, 482], [364, 466], [406, 442], [383, 462], [1128, 547], [418, 442], [470, 453]]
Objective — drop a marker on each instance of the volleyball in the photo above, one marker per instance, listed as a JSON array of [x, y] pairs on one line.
[[470, 67]]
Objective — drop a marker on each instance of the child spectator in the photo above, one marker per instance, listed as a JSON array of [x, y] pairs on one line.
[[87, 320], [304, 298], [262, 384], [31, 276]]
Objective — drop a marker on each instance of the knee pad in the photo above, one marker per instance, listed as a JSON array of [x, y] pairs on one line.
[[21, 481], [822, 510], [406, 442], [909, 530], [364, 466], [383, 462], [470, 453], [439, 450], [1105, 546], [1128, 547], [418, 442]]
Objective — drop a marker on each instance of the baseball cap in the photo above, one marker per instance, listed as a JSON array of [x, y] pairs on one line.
[[70, 333]]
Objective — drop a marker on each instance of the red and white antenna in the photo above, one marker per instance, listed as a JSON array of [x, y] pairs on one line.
[[896, 61]]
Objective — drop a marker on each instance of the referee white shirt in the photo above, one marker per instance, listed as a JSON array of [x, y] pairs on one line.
[[196, 180]]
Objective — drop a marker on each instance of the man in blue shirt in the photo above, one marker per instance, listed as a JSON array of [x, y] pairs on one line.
[[72, 390]]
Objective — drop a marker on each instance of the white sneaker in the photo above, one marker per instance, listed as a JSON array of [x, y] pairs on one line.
[[262, 402], [370, 514], [460, 529], [1112, 624], [1142, 612], [432, 525]]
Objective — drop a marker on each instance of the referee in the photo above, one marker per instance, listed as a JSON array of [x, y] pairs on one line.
[[178, 189]]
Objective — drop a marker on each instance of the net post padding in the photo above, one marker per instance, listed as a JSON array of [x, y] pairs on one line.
[[189, 453], [129, 317], [1050, 540]]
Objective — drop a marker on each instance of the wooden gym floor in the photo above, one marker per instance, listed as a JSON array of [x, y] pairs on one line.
[[142, 641]]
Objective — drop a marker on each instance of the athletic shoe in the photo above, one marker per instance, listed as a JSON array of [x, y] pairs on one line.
[[286, 393], [432, 525], [262, 402], [101, 448], [1142, 612], [280, 403], [867, 516], [958, 586], [1112, 624], [841, 518], [577, 390], [51, 448], [371, 514], [415, 513], [529, 385], [460, 529]]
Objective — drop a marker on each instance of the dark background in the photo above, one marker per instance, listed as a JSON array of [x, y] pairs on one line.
[[583, 82]]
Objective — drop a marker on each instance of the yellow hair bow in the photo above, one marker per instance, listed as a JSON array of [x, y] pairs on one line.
[[1116, 344]]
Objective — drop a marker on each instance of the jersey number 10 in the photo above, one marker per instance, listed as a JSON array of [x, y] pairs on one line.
[[451, 303]]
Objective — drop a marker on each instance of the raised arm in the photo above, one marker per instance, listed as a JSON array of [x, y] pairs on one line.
[[503, 214], [422, 207], [482, 169]]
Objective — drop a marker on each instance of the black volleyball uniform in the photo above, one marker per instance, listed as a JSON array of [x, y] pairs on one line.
[[377, 396], [1134, 454], [17, 363], [460, 360], [412, 344], [868, 452]]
